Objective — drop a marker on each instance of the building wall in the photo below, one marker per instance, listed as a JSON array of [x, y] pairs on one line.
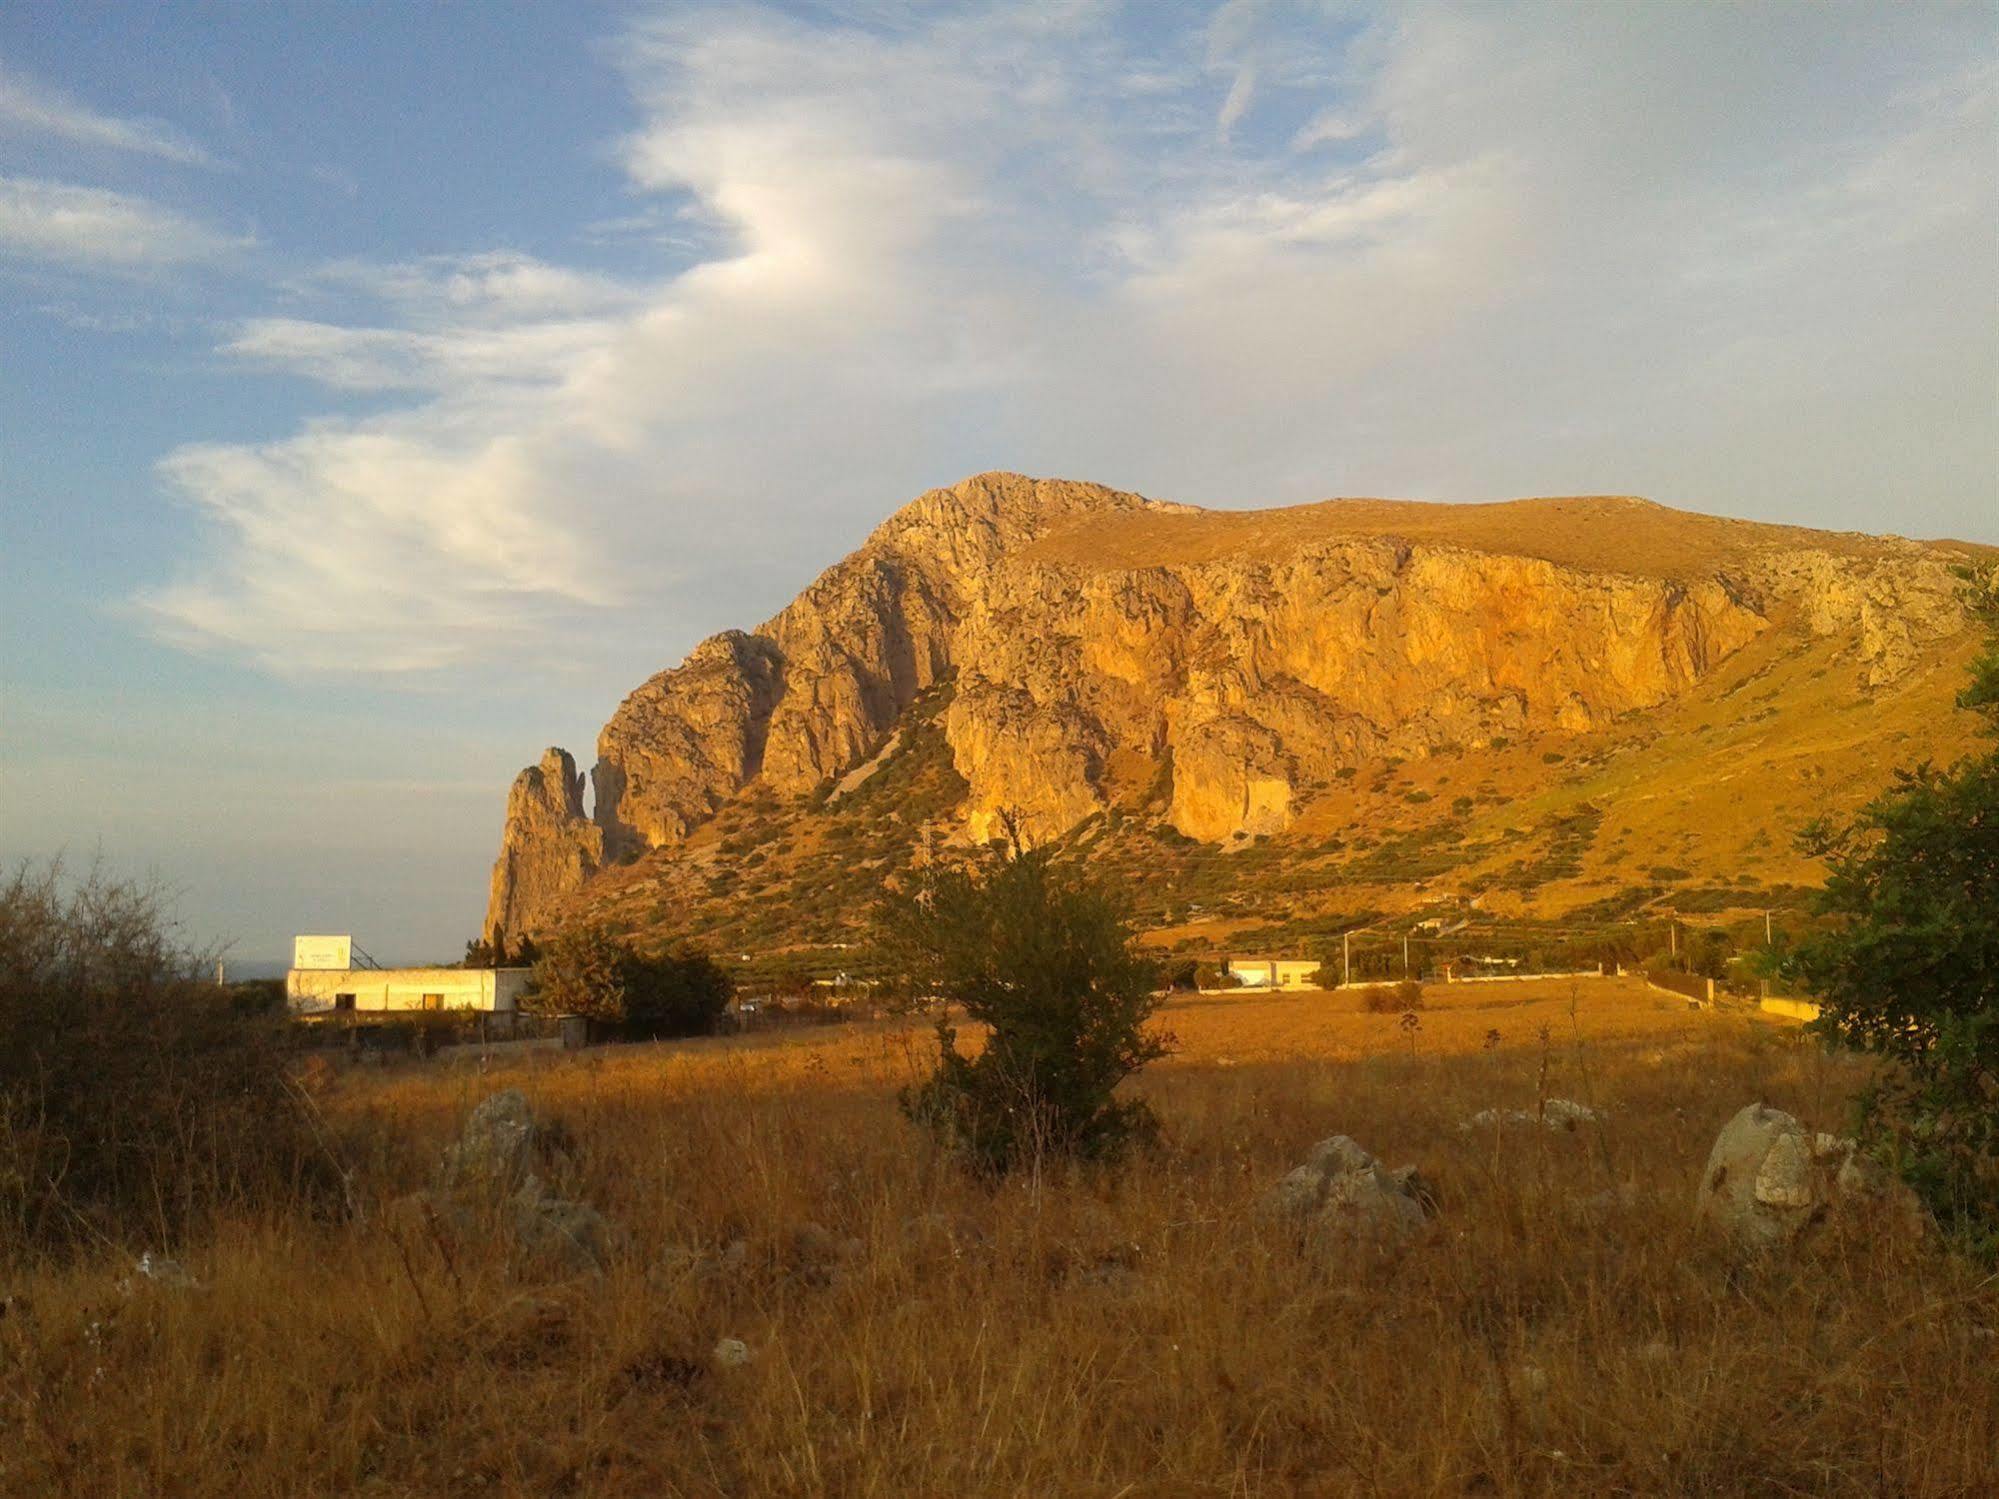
[[1273, 973], [1796, 1009], [314, 991]]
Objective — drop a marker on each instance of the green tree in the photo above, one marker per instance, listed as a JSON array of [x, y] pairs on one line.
[[1211, 976], [589, 971], [677, 993], [583, 971], [1906, 965], [1044, 958]]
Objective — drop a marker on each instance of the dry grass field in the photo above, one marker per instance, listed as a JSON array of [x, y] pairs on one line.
[[1560, 1327]]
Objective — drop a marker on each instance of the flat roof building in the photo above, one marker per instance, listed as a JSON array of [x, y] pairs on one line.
[[1272, 973], [331, 991]]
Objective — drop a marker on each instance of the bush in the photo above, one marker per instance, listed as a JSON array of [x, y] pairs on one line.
[[1041, 955], [589, 971], [1394, 999], [136, 1097], [1909, 967]]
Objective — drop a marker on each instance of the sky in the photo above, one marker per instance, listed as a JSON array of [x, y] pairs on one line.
[[386, 391]]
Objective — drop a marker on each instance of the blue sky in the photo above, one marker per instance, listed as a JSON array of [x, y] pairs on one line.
[[386, 391]]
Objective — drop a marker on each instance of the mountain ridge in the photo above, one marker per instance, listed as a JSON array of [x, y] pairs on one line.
[[1098, 647]]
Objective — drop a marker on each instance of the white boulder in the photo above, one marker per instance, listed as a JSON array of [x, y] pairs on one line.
[[1768, 1180], [1344, 1195], [1555, 1114]]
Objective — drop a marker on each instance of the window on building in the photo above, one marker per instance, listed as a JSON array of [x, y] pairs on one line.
[[343, 1001], [433, 1001]]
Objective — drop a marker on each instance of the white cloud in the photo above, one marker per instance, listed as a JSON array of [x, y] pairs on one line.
[[1739, 259], [446, 360], [498, 285], [377, 547], [31, 107], [90, 227]]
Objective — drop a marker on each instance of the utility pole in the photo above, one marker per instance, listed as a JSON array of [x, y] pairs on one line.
[[1346, 959], [1405, 955], [1768, 940], [1673, 936]]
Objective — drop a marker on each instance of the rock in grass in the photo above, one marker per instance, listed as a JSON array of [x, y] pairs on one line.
[[1344, 1195], [1556, 1114], [486, 1184], [555, 1234], [495, 1149], [1768, 1180], [158, 1270], [1756, 1187]]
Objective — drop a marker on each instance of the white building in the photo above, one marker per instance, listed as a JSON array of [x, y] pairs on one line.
[[327, 991], [323, 981], [1272, 973]]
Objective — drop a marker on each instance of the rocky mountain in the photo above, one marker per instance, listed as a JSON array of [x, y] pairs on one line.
[[1065, 652]]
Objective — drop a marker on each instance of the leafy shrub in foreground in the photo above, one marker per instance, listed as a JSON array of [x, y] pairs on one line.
[[1043, 957], [136, 1097]]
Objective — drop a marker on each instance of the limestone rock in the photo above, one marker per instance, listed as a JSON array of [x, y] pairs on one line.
[[1230, 775], [1895, 606], [1343, 1195], [548, 848], [554, 1234], [1100, 644], [1556, 1114], [496, 1149], [157, 1270], [685, 741], [1768, 1180], [1737, 1196], [487, 1185]]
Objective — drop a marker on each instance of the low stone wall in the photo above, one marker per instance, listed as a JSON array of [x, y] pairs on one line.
[[1527, 978], [1795, 1009], [1687, 985]]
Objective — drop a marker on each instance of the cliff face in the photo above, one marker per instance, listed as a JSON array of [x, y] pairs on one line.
[[548, 849], [1261, 679], [1099, 641]]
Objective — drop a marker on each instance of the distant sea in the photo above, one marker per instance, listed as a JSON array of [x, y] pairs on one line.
[[239, 970]]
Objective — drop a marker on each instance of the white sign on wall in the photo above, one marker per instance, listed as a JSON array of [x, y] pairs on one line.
[[322, 952]]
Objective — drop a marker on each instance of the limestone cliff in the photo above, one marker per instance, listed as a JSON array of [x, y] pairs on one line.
[[548, 848], [1099, 643]]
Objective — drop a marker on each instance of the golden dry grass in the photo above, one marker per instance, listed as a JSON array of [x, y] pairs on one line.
[[1606, 533], [1142, 1334]]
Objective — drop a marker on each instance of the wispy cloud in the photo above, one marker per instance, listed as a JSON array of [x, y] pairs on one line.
[[444, 360], [1644, 255], [93, 228], [29, 106], [494, 285]]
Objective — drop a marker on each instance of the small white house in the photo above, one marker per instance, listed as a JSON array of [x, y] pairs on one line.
[[332, 991], [1272, 973]]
